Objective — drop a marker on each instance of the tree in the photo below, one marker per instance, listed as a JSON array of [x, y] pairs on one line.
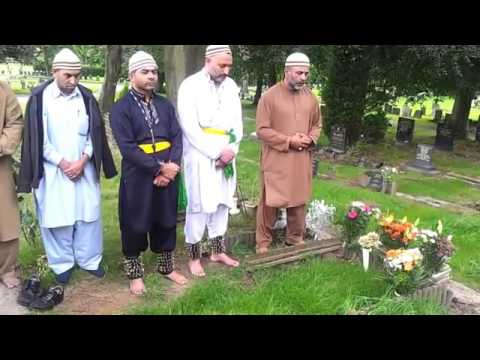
[[22, 53], [261, 63], [113, 65], [346, 89], [181, 61]]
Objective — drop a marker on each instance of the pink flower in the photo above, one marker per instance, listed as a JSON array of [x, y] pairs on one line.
[[352, 215]]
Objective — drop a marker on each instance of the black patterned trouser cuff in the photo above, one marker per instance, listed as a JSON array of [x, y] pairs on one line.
[[133, 267], [165, 262], [194, 251], [218, 245]]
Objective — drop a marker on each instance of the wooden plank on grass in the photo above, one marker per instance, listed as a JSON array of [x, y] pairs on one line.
[[289, 251], [294, 258]]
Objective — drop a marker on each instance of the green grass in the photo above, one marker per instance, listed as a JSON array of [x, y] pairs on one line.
[[312, 287]]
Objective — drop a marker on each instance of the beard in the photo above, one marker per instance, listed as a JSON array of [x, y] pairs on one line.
[[218, 79]]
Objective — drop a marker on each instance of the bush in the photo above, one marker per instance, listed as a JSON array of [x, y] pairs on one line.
[[375, 127]]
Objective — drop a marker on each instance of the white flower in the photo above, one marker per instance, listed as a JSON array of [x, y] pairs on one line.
[[319, 216], [358, 204], [369, 241]]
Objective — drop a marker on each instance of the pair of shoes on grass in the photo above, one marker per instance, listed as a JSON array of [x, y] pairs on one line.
[[33, 296]]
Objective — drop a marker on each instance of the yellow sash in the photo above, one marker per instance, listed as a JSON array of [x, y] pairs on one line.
[[159, 146], [214, 131]]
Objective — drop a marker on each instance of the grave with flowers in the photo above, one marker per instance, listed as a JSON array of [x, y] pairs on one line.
[[413, 260]]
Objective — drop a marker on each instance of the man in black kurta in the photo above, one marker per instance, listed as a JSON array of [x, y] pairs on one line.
[[150, 140]]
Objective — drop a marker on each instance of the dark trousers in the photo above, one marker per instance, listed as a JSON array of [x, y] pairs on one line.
[[161, 240]]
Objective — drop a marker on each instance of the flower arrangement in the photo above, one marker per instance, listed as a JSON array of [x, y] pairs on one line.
[[397, 233], [370, 241], [357, 221], [389, 173], [319, 217], [403, 270], [403, 259], [437, 248]]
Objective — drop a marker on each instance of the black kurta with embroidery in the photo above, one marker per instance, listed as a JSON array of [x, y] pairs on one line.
[[140, 202]]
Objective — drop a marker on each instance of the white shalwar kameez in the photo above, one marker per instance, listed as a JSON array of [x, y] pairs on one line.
[[68, 211], [202, 104]]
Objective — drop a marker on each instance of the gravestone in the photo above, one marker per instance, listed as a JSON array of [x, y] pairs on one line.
[[444, 137], [338, 139], [396, 111], [417, 114], [405, 129], [406, 111], [423, 159], [438, 116], [375, 180]]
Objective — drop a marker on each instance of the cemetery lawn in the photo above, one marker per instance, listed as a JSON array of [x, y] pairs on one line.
[[311, 287]]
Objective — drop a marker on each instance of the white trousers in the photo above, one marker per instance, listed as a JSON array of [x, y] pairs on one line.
[[216, 224], [81, 243]]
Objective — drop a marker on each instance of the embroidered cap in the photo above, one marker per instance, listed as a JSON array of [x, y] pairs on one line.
[[297, 59], [141, 60], [213, 50], [67, 60]]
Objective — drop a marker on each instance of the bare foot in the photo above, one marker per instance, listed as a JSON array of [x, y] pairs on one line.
[[224, 259], [137, 287], [196, 268], [262, 250], [177, 278], [10, 280]]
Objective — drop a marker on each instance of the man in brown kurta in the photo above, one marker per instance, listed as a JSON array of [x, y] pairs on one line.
[[288, 125], [11, 126]]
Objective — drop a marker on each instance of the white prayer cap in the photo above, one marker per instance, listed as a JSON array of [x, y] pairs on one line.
[[213, 50], [67, 60], [141, 60], [297, 59]]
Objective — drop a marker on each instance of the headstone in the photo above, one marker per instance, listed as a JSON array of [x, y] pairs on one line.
[[444, 138], [338, 139], [375, 180], [423, 159], [396, 111], [417, 114], [405, 129], [406, 111], [438, 116]]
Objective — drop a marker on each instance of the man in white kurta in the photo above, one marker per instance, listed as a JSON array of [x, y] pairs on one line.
[[68, 196], [210, 115]]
